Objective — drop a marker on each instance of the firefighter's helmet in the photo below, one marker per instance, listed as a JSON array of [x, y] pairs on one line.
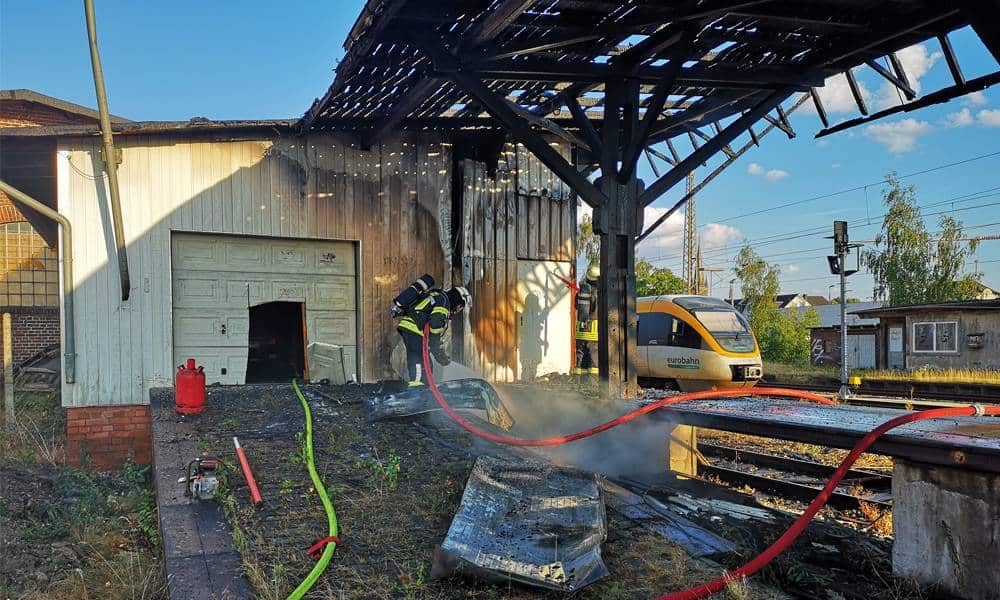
[[459, 298], [593, 272]]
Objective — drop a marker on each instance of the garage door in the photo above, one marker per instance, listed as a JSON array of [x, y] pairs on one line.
[[217, 278]]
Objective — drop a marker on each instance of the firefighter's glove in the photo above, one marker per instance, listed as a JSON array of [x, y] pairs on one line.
[[443, 360]]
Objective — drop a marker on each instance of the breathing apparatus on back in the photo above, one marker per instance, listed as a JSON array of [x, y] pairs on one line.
[[414, 293]]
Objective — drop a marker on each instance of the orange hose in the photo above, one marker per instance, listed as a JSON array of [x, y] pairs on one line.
[[800, 524]]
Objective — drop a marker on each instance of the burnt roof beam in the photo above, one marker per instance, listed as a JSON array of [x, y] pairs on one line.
[[589, 72], [702, 154], [507, 12], [943, 95], [951, 59], [515, 124], [900, 82], [585, 126], [982, 15]]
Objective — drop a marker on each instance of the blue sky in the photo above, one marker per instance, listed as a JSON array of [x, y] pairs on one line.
[[256, 59]]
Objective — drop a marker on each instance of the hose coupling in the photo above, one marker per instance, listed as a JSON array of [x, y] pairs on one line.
[[980, 410]]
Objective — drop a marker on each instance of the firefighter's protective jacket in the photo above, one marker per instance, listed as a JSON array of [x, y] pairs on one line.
[[586, 312], [434, 310]]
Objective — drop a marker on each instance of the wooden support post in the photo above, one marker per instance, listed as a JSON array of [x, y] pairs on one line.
[[8, 370]]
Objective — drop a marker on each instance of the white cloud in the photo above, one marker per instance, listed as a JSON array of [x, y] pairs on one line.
[[962, 118], [836, 96], [770, 175], [792, 268], [836, 92], [899, 136], [975, 98], [667, 239], [916, 61], [990, 117], [835, 166]]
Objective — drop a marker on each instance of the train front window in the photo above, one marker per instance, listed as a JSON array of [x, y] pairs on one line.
[[726, 325]]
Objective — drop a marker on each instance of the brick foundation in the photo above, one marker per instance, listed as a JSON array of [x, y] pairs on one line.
[[104, 436], [33, 328]]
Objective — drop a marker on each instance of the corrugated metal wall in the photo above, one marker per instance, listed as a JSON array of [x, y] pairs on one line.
[[321, 187], [525, 213]]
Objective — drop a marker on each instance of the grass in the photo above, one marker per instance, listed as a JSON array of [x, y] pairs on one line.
[[108, 520], [975, 376], [794, 373]]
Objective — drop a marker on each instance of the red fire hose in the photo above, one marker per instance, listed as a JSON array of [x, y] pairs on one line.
[[800, 524]]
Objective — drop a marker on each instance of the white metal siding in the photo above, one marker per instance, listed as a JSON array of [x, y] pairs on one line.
[[167, 185]]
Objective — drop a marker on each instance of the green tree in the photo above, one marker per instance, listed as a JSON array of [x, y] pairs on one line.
[[787, 341], [651, 281], [783, 335], [588, 242], [909, 265], [758, 285]]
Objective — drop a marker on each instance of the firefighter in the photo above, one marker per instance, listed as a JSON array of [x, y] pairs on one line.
[[435, 310], [586, 325]]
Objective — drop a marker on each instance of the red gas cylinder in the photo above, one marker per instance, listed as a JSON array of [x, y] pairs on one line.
[[190, 388]]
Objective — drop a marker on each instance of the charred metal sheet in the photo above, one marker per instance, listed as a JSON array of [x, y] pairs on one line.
[[474, 394], [533, 523], [666, 522]]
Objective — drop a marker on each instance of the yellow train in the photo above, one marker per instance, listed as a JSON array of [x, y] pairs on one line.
[[695, 343]]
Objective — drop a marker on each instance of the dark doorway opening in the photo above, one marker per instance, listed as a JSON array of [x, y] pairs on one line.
[[277, 342]]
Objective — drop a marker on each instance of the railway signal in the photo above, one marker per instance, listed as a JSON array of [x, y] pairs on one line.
[[838, 266]]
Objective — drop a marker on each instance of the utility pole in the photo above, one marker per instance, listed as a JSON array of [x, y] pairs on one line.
[[838, 266], [690, 250]]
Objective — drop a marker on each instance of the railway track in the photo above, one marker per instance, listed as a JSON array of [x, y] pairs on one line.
[[905, 395], [793, 478]]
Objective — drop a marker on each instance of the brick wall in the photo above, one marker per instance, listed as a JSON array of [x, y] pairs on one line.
[[25, 113], [8, 211], [103, 437], [33, 329]]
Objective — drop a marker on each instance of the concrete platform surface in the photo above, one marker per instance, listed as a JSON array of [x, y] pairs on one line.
[[967, 442]]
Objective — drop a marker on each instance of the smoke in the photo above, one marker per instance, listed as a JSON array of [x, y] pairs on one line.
[[636, 449]]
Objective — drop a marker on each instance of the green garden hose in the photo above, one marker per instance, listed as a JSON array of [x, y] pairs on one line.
[[331, 516]]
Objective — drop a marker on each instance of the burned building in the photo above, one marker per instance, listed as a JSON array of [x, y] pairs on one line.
[[247, 242]]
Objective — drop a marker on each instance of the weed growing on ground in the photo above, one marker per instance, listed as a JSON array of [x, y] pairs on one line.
[[383, 474], [286, 486], [613, 591], [414, 583], [230, 423]]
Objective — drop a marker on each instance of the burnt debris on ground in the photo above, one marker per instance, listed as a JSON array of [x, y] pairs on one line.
[[397, 484]]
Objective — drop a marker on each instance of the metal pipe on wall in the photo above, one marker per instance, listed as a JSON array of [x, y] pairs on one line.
[[66, 255], [110, 155]]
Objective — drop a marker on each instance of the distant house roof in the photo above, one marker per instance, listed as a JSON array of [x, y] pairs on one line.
[[22, 95], [829, 314], [817, 300], [890, 311]]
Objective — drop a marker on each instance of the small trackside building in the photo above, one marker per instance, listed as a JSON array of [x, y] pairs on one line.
[[939, 335], [238, 232]]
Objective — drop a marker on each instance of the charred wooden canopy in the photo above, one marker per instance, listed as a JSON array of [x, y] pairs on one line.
[[695, 62]]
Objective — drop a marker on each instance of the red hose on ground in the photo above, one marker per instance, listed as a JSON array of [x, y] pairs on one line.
[[800, 524]]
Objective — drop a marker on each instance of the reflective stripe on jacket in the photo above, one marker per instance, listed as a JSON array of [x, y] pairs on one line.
[[433, 310]]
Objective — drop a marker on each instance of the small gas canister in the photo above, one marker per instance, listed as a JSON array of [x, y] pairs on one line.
[[189, 390]]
